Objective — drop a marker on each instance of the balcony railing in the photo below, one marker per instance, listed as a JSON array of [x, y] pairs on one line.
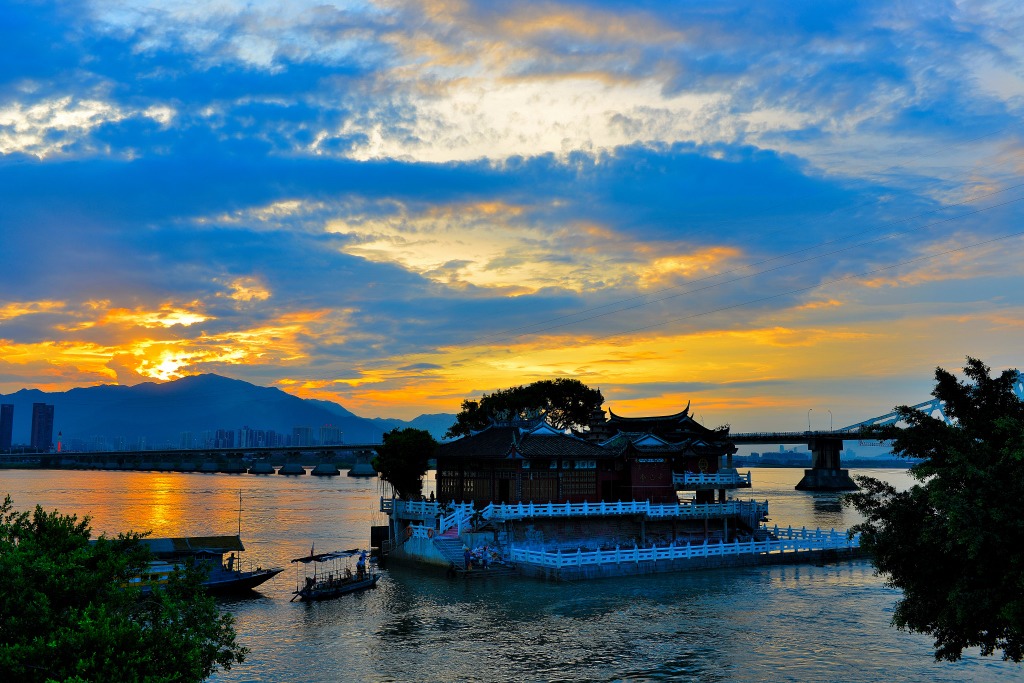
[[723, 479]]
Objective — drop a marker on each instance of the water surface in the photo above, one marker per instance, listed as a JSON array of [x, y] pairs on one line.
[[786, 623]]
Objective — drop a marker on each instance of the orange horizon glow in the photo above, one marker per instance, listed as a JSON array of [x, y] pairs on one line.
[[726, 374]]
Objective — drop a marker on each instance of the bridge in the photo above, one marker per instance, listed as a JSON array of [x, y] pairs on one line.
[[826, 473], [255, 460]]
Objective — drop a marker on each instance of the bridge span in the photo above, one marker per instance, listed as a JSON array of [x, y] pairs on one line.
[[826, 473], [256, 460]]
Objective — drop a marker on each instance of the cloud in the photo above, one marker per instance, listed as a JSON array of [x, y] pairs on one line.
[[377, 198]]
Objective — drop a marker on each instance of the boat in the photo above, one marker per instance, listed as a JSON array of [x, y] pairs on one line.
[[224, 575], [329, 575]]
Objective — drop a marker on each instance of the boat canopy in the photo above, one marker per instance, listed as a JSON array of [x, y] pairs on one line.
[[195, 545]]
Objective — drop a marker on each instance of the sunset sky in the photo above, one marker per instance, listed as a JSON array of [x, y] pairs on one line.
[[762, 208]]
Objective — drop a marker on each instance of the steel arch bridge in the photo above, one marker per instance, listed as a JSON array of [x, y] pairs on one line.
[[934, 407], [826, 473]]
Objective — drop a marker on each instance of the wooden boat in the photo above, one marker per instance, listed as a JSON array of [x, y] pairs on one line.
[[328, 575], [224, 575]]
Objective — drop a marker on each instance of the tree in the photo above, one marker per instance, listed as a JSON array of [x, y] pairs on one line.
[[954, 542], [403, 458], [68, 611], [566, 403]]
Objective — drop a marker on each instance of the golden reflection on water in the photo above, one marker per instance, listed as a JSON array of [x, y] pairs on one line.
[[163, 500], [748, 624]]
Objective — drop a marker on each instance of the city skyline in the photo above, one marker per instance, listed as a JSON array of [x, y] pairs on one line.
[[786, 217]]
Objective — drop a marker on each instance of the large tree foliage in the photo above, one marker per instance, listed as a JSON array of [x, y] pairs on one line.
[[954, 542], [403, 458], [564, 402], [68, 611]]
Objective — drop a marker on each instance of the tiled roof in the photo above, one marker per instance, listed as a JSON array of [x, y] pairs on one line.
[[492, 442], [500, 442], [562, 446]]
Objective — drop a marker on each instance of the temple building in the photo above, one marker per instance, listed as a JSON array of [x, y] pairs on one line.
[[615, 459], [621, 496]]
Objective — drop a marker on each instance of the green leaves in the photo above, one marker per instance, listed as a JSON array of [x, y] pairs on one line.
[[954, 542], [564, 402], [403, 458], [68, 611]]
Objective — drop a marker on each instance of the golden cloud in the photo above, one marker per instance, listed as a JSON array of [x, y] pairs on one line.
[[17, 309], [700, 262], [247, 289], [497, 245]]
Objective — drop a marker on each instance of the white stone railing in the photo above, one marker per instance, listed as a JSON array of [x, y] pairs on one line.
[[717, 479], [419, 531], [462, 512], [457, 518], [412, 507], [502, 511], [812, 540], [803, 533]]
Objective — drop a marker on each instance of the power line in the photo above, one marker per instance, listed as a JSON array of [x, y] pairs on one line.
[[778, 295], [748, 276], [536, 327], [797, 290]]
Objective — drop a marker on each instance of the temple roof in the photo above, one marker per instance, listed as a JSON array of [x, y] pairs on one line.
[[541, 441], [678, 417], [673, 428]]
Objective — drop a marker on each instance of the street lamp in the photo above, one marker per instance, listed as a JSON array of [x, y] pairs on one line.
[[829, 420], [809, 418]]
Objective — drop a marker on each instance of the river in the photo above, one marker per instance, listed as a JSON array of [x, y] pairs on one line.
[[783, 623]]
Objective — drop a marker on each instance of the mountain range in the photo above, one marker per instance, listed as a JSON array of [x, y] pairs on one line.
[[159, 413]]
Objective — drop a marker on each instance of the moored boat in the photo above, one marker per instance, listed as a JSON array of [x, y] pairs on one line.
[[331, 576], [224, 575]]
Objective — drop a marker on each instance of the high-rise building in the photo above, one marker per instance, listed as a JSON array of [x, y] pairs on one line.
[[42, 427], [6, 426], [185, 441], [225, 438], [302, 436], [330, 435]]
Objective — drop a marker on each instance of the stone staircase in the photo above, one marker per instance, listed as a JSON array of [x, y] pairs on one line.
[[450, 548]]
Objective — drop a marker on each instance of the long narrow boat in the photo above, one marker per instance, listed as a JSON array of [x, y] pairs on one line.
[[332, 576], [225, 576]]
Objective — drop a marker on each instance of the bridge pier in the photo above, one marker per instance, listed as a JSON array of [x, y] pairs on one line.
[[826, 473]]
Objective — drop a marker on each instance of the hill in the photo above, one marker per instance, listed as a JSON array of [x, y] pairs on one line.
[[159, 413]]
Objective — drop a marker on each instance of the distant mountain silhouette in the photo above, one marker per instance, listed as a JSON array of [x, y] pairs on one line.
[[160, 412]]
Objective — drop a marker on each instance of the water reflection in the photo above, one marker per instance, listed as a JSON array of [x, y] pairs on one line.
[[746, 624]]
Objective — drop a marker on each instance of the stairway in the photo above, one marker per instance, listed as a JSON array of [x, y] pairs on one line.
[[451, 549]]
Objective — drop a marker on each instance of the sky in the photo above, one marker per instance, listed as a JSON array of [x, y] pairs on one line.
[[782, 214]]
